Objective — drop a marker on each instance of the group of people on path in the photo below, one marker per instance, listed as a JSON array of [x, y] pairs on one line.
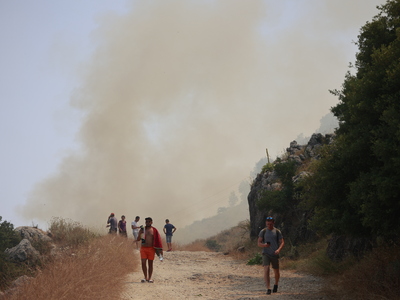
[[150, 238], [270, 239], [115, 225]]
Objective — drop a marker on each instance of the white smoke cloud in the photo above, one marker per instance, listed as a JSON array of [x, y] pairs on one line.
[[182, 97]]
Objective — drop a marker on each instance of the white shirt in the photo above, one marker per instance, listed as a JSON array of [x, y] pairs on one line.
[[135, 224]]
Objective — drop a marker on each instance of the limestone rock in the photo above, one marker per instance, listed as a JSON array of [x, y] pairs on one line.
[[300, 176], [22, 252], [33, 234]]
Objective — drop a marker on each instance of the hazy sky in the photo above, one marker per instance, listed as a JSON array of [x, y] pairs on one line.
[[158, 108]]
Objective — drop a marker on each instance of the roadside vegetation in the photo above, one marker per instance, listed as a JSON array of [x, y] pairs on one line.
[[81, 265], [8, 270]]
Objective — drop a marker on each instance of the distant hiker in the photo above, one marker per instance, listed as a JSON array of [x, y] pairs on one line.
[[151, 241], [135, 230], [122, 226], [112, 223], [169, 229], [271, 240]]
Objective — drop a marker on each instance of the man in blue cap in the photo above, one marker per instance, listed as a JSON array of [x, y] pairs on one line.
[[271, 240]]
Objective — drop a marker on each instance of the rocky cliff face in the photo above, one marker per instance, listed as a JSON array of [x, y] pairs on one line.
[[293, 222]]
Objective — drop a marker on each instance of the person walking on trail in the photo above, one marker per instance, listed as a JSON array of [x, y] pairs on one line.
[[151, 241], [169, 229], [271, 240], [122, 226], [135, 230], [112, 222]]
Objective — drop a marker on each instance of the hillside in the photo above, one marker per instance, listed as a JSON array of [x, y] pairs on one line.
[[208, 227]]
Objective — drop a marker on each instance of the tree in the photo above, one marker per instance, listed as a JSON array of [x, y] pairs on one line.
[[233, 199], [8, 237], [356, 185]]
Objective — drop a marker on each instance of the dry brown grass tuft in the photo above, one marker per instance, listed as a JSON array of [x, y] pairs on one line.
[[376, 276], [69, 232], [96, 270]]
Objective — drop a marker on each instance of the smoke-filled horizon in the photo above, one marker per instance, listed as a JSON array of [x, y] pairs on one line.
[[181, 98]]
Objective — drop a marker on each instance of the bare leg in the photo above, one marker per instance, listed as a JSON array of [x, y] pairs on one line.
[[150, 268], [277, 276], [266, 277], [144, 268]]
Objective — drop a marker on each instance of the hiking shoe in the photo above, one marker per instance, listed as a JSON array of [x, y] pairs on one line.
[[268, 292], [275, 289]]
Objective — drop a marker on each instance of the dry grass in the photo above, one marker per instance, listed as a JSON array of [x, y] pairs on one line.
[[70, 233], [376, 276], [96, 270]]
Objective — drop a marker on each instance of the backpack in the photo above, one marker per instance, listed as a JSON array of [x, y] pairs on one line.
[[278, 233]]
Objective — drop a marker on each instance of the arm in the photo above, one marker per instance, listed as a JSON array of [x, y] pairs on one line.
[[261, 244], [173, 229], [282, 243], [165, 231], [140, 234]]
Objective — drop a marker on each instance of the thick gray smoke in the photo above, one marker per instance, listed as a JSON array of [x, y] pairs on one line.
[[181, 98]]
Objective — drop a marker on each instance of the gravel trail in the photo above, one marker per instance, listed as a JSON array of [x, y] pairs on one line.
[[211, 275]]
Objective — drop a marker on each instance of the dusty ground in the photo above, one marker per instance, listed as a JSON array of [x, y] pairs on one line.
[[210, 275]]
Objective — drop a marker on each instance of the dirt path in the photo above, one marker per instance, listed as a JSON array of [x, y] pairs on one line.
[[210, 275]]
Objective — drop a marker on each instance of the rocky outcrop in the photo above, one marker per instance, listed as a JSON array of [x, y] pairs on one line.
[[33, 234], [25, 251], [293, 222], [22, 252]]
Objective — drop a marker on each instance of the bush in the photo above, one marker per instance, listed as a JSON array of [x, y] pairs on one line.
[[8, 237], [268, 167], [213, 245], [380, 278], [69, 232], [256, 260]]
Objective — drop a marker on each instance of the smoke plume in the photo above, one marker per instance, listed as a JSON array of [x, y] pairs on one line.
[[181, 98]]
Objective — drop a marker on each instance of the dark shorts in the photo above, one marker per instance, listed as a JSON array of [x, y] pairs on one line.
[[168, 238], [267, 260]]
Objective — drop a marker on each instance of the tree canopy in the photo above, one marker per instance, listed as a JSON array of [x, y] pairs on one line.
[[356, 186]]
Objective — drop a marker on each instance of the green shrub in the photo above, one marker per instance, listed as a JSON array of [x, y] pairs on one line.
[[268, 167], [8, 270], [8, 237], [213, 245], [256, 260]]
